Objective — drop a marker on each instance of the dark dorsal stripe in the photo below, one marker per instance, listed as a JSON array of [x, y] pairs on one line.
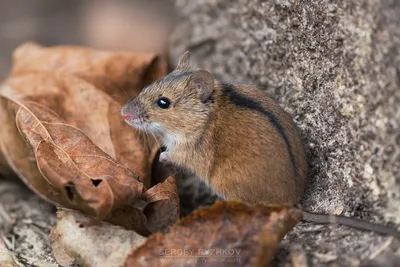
[[242, 101]]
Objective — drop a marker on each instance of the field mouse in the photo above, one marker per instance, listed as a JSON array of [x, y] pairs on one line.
[[232, 136]]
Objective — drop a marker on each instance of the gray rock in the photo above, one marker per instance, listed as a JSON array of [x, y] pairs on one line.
[[335, 66]]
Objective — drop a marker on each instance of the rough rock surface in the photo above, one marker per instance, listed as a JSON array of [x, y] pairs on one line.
[[334, 65], [28, 236]]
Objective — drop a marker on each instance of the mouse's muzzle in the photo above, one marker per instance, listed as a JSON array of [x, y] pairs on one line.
[[133, 114], [127, 114]]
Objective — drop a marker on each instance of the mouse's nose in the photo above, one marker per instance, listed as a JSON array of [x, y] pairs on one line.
[[126, 115]]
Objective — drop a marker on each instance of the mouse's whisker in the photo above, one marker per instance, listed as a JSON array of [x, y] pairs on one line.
[[147, 137], [125, 92], [115, 112], [156, 140], [119, 99], [139, 133]]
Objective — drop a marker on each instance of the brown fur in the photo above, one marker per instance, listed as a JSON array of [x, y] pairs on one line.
[[236, 150]]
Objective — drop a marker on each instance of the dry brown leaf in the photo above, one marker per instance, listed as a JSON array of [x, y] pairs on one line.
[[226, 234], [63, 134], [101, 245], [160, 209], [163, 207], [75, 172], [5, 170], [119, 74]]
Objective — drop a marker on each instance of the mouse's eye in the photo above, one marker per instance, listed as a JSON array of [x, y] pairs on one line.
[[163, 102]]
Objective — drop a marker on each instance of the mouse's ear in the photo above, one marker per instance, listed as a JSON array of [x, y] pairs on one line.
[[184, 62], [203, 82]]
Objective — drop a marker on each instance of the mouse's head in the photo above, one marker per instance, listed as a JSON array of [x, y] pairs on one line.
[[174, 107]]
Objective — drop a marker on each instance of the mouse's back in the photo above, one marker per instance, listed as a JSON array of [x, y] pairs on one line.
[[258, 146]]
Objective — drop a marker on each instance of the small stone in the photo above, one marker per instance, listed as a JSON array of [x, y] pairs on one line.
[[338, 210]]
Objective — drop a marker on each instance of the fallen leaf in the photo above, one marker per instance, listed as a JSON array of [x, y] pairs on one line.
[[112, 78], [62, 133], [101, 245], [5, 170], [158, 210], [78, 174], [163, 207], [119, 74], [226, 234]]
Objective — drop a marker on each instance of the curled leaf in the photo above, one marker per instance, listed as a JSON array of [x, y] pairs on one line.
[[80, 175], [103, 245], [226, 234], [163, 207], [159, 209]]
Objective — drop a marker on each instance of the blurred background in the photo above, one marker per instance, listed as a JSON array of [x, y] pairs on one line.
[[134, 25]]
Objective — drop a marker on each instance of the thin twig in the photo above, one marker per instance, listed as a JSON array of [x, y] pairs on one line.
[[381, 248], [6, 221]]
